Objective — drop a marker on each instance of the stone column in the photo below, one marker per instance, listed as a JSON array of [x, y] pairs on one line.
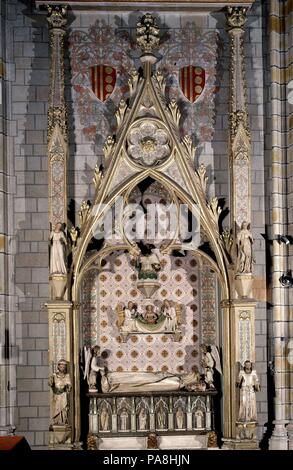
[[59, 310], [57, 119], [241, 325], [239, 136], [280, 167], [8, 352]]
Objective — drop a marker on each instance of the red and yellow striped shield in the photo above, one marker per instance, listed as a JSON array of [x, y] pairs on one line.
[[192, 81], [103, 78]]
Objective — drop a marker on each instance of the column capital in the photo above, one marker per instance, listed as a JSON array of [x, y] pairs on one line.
[[236, 18], [57, 16]]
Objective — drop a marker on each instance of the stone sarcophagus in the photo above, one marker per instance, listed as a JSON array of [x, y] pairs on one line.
[[130, 420]]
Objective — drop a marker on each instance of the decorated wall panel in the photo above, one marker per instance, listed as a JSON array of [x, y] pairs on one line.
[[103, 54], [181, 278]]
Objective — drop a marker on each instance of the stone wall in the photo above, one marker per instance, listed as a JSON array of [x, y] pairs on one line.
[[29, 74]]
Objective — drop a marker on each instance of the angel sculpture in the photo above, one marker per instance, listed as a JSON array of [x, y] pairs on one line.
[[91, 367], [210, 361]]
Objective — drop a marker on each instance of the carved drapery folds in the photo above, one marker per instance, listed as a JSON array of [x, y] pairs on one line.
[[57, 118], [239, 137]]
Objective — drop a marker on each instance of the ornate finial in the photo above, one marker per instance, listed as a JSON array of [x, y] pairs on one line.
[[57, 16], [147, 33], [236, 16]]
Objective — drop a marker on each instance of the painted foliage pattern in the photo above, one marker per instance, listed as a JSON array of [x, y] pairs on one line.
[[104, 44]]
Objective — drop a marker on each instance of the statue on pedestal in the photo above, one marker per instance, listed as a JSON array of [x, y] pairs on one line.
[[104, 419], [249, 384], [179, 416], [142, 419], [57, 254], [60, 384], [124, 420], [244, 243], [161, 417], [148, 264]]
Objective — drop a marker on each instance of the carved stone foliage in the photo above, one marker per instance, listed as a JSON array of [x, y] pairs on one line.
[[57, 116], [57, 180], [57, 16], [147, 33], [236, 16]]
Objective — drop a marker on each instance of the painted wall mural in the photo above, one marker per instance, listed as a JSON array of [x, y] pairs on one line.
[[109, 45]]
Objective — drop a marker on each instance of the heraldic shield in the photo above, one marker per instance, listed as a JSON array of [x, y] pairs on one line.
[[192, 81], [103, 79]]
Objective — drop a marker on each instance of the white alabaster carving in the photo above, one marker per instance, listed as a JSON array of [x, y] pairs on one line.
[[148, 143], [249, 384], [244, 249], [57, 259], [148, 381], [60, 384]]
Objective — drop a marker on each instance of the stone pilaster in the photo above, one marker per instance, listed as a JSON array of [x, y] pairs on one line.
[[8, 353], [242, 307], [280, 21], [239, 136], [60, 327], [57, 118]]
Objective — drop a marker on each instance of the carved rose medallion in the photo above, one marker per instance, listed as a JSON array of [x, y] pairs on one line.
[[148, 143]]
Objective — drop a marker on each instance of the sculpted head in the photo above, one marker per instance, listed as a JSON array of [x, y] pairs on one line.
[[58, 227], [62, 366], [96, 350], [247, 367]]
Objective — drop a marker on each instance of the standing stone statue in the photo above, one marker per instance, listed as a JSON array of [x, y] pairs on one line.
[[142, 419], [210, 361], [148, 264], [60, 384], [179, 418], [104, 419], [57, 254], [244, 243], [161, 415], [92, 367], [249, 384], [124, 419]]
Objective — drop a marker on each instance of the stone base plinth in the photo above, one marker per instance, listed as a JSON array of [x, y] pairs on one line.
[[238, 444]]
